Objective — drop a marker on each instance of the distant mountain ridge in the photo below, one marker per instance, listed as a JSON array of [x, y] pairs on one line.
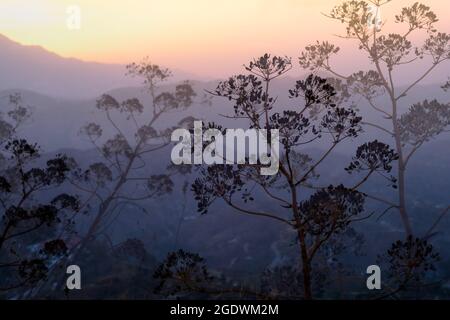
[[56, 121], [37, 69]]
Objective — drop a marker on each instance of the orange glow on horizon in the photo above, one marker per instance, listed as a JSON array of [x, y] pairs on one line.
[[206, 37]]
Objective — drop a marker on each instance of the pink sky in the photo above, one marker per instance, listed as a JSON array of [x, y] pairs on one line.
[[206, 37]]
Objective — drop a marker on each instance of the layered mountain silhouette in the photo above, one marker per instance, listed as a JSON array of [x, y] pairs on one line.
[[62, 92], [37, 69]]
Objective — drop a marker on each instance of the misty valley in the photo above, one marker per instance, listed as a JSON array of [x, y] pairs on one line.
[[293, 179]]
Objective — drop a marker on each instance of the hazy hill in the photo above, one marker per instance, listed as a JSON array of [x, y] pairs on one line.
[[55, 122], [34, 68]]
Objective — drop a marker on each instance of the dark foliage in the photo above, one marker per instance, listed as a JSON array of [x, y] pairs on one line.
[[24, 251]]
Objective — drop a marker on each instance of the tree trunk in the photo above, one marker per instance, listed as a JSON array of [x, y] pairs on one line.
[[306, 266], [306, 263], [401, 173]]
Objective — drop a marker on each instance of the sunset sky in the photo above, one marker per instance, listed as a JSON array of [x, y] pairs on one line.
[[206, 37]]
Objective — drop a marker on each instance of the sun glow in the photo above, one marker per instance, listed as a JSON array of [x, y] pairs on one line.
[[205, 36]]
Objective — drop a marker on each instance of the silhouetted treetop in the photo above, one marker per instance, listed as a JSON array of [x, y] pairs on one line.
[[373, 156], [25, 213], [330, 210], [424, 121]]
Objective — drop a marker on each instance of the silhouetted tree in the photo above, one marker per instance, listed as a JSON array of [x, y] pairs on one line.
[[408, 263], [446, 86], [12, 117], [32, 229], [319, 115], [121, 178], [183, 274], [410, 129]]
